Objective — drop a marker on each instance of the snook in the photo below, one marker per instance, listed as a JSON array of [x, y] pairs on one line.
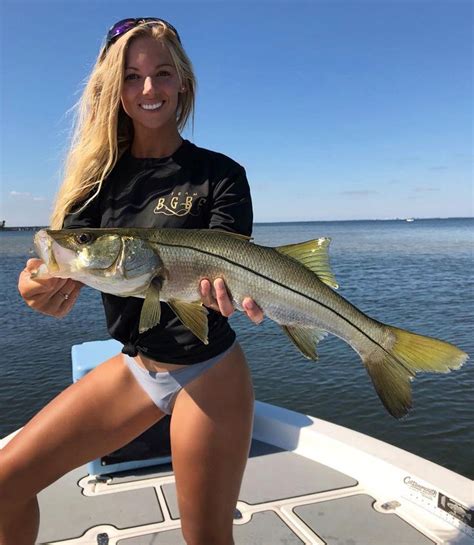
[[292, 284]]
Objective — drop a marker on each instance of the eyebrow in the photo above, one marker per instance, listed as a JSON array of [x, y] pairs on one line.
[[157, 66]]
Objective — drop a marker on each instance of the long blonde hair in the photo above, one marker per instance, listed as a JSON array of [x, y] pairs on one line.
[[102, 129]]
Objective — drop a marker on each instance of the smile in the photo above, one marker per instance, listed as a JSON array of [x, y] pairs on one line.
[[151, 106]]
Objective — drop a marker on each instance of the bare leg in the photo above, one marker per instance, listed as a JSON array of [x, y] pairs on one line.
[[210, 434], [95, 416]]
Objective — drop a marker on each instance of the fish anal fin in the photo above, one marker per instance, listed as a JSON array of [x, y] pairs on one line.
[[313, 254], [194, 317], [151, 310], [305, 339]]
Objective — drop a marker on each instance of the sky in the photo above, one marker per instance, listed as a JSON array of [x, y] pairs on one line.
[[338, 110]]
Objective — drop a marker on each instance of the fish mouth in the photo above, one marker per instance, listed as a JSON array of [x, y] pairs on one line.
[[56, 258], [42, 243]]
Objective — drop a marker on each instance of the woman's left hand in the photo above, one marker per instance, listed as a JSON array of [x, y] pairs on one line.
[[216, 297]]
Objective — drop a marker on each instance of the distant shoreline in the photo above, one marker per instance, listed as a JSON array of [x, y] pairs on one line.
[[407, 219], [414, 219], [23, 228]]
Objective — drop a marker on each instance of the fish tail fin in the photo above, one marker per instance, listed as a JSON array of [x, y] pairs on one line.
[[395, 362]]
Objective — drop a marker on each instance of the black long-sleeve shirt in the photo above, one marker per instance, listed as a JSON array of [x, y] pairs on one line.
[[194, 188]]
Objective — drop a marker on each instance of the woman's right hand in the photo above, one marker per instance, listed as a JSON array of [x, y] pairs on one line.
[[50, 295]]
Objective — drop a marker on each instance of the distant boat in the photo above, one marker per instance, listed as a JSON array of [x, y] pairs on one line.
[[409, 220]]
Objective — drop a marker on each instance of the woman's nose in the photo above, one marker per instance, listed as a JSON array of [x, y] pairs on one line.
[[148, 87]]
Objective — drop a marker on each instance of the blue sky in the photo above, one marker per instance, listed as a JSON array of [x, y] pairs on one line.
[[337, 109]]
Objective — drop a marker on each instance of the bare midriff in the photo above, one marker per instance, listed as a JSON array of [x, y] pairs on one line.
[[156, 366]]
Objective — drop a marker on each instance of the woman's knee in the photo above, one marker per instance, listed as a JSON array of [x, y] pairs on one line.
[[14, 488]]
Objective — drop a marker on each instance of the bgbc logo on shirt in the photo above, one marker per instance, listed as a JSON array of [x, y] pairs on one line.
[[179, 203]]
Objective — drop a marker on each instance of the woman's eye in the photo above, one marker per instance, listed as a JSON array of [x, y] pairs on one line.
[[160, 74], [84, 238]]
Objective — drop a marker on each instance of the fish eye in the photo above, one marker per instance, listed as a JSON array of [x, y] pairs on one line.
[[83, 238]]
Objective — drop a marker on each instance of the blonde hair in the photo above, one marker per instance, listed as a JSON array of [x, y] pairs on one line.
[[102, 130]]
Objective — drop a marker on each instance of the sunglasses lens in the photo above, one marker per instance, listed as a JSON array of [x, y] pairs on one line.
[[120, 28], [127, 24]]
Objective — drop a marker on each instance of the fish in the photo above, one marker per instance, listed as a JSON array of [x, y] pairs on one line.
[[293, 285]]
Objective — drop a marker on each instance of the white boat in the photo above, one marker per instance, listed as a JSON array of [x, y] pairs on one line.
[[307, 481], [409, 220]]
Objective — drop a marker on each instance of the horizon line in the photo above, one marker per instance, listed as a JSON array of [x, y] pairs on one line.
[[413, 218]]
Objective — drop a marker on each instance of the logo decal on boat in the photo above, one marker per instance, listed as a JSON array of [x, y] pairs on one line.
[[458, 515], [425, 491]]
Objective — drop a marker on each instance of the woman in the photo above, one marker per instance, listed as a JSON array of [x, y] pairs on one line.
[[128, 166]]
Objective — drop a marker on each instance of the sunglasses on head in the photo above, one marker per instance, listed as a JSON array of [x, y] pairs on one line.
[[123, 26]]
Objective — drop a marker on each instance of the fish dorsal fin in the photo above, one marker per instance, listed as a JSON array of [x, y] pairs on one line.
[[305, 339], [313, 254], [151, 310], [193, 315]]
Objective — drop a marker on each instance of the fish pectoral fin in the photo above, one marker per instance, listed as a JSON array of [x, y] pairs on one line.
[[151, 310], [313, 254], [194, 317], [305, 339]]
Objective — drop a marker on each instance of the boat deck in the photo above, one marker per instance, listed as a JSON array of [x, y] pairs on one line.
[[307, 481], [285, 499]]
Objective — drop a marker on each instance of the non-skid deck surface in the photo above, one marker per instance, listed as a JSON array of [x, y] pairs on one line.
[[265, 528], [274, 481], [353, 521]]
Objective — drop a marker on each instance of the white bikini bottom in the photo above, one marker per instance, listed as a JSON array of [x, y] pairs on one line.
[[163, 387]]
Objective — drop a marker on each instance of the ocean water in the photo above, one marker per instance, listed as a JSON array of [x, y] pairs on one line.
[[418, 276]]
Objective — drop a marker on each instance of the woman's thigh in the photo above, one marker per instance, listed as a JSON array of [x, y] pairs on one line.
[[103, 411], [211, 430]]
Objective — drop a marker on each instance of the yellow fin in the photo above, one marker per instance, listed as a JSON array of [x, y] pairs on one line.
[[313, 254], [394, 365], [151, 310], [193, 316], [305, 339]]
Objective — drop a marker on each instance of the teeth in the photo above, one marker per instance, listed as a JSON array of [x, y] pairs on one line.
[[151, 106]]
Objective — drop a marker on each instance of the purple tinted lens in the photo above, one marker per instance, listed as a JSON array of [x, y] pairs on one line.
[[120, 28], [127, 24]]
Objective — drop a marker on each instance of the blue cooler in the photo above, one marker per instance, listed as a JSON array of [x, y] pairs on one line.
[[151, 448]]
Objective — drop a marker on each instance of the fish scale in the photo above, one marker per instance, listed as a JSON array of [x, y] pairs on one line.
[[258, 272]]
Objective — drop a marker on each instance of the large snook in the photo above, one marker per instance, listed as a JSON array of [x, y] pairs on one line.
[[292, 284]]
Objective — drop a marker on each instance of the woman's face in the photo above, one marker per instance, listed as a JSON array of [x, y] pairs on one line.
[[151, 86]]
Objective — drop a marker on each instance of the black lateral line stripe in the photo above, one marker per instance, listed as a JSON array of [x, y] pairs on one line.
[[288, 288]]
